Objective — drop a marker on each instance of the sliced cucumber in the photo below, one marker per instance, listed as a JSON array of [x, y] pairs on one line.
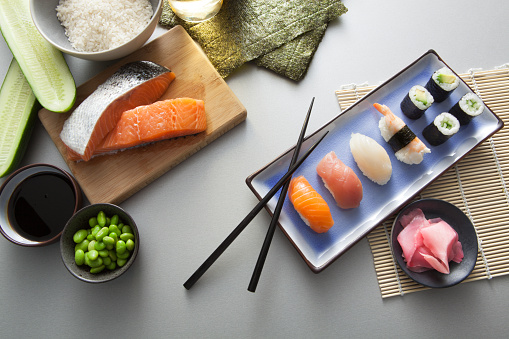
[[42, 64], [18, 109]]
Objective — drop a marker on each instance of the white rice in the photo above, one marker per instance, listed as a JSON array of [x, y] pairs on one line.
[[447, 118], [417, 103], [472, 110], [445, 86], [98, 25]]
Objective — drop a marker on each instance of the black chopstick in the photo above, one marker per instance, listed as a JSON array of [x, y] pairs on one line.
[[272, 227], [224, 245]]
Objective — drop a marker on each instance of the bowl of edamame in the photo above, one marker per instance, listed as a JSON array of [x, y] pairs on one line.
[[99, 243]]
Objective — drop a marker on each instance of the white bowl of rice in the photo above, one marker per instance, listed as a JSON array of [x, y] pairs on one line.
[[96, 29]]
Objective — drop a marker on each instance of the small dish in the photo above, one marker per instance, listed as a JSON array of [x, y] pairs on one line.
[[45, 19], [35, 203], [435, 208], [80, 221]]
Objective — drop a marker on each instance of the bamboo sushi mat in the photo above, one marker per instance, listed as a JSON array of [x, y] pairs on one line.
[[476, 184]]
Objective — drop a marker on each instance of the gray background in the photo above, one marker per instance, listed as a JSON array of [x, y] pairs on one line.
[[187, 212]]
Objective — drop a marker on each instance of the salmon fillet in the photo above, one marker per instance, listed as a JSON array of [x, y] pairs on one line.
[[310, 205], [158, 121], [134, 84]]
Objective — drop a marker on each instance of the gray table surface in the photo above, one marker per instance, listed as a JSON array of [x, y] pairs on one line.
[[187, 212]]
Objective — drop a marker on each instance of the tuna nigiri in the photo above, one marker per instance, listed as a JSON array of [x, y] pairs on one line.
[[310, 205], [134, 84], [407, 147], [372, 159], [340, 180]]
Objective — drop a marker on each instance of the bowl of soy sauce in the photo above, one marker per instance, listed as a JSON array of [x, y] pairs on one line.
[[36, 202]]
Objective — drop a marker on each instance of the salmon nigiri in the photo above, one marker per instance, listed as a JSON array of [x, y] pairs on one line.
[[310, 205], [340, 180]]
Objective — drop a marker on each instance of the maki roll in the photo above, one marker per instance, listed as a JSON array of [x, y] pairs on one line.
[[442, 128], [467, 108], [416, 102], [406, 146], [442, 83]]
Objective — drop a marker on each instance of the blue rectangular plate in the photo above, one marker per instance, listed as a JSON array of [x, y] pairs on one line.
[[379, 202]]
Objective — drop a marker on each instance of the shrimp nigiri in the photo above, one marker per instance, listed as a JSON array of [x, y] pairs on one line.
[[340, 180], [310, 205], [407, 147]]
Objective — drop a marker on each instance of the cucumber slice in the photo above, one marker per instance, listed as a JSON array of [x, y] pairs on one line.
[[18, 109], [42, 64]]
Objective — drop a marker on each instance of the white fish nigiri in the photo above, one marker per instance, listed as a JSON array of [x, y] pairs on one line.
[[371, 158]]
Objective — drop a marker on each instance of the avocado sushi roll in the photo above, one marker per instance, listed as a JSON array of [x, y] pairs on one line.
[[442, 83], [467, 108], [444, 126], [416, 102]]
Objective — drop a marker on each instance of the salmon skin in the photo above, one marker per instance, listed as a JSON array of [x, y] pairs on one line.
[[133, 84], [310, 205]]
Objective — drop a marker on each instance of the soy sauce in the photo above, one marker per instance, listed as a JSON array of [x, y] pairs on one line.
[[41, 205]]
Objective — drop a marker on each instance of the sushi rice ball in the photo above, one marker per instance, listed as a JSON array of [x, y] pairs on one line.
[[467, 108], [444, 126], [442, 83], [416, 102]]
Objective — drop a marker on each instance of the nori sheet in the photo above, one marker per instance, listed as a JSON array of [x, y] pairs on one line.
[[279, 35]]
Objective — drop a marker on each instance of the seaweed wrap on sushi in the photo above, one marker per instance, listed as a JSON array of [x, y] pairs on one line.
[[442, 83], [444, 126], [407, 147], [416, 102], [467, 108]]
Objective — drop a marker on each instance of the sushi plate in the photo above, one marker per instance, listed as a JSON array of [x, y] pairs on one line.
[[114, 178], [379, 202]]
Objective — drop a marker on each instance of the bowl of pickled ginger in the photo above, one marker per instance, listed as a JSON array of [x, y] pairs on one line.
[[434, 242]]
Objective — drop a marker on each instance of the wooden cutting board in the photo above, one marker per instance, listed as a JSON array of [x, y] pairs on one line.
[[114, 178]]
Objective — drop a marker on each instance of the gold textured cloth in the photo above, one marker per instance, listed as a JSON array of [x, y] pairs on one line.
[[279, 35]]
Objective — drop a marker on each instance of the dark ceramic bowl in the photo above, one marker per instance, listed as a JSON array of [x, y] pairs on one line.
[[434, 208], [80, 221], [44, 229]]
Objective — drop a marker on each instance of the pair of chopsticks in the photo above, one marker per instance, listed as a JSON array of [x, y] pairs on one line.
[[270, 232]]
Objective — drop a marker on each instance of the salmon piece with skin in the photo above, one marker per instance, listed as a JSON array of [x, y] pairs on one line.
[[134, 84], [310, 205]]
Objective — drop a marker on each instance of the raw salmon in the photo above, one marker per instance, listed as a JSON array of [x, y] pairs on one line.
[[158, 121], [310, 205], [340, 180], [134, 84]]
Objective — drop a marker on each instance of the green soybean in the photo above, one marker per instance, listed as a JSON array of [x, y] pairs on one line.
[[103, 253], [79, 257], [95, 230], [91, 245], [90, 237], [121, 262], [114, 220], [114, 229], [95, 263], [101, 234], [107, 260], [127, 229], [92, 255], [82, 245], [109, 242], [126, 236], [92, 221], [129, 244], [101, 219], [98, 269], [79, 236], [120, 247], [112, 265], [124, 255]]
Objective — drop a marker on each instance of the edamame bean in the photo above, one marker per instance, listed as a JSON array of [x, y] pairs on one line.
[[91, 245], [79, 236], [109, 242], [107, 261], [104, 253], [95, 263], [121, 262], [127, 236], [98, 269], [95, 230], [90, 237], [82, 245], [114, 229], [79, 257], [108, 222], [129, 244], [92, 221], [101, 234], [124, 255], [111, 266], [113, 255], [93, 255], [101, 219], [120, 247], [114, 220], [114, 236], [127, 229], [99, 245]]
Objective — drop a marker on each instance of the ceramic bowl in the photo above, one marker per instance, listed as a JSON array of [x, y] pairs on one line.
[[80, 221], [435, 208], [21, 222], [45, 19]]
